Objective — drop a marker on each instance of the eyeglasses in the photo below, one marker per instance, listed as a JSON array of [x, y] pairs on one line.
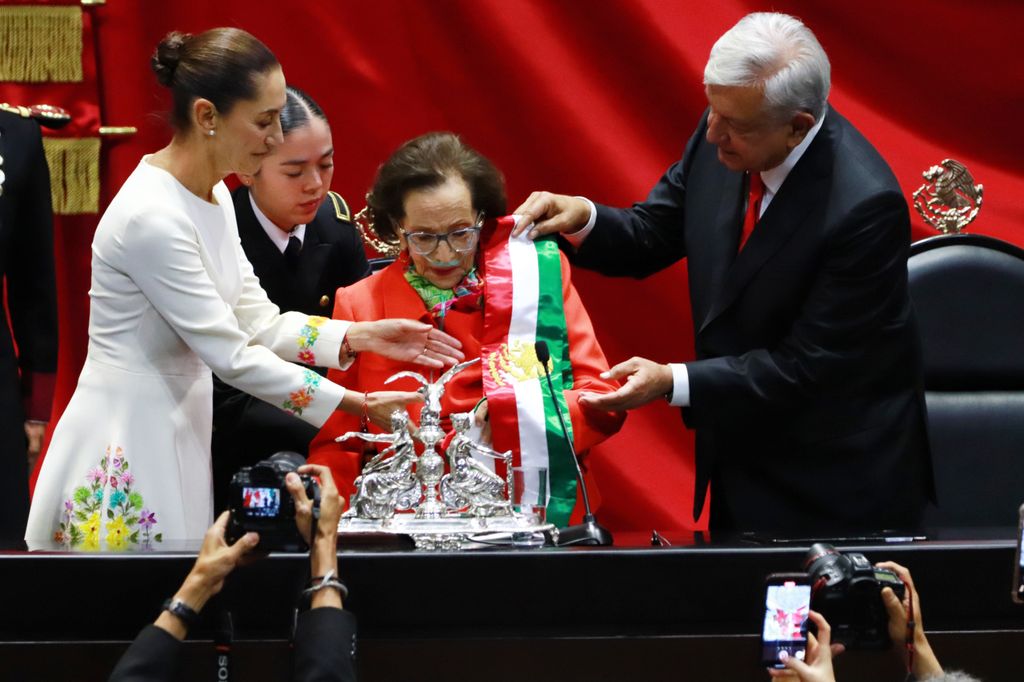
[[461, 240]]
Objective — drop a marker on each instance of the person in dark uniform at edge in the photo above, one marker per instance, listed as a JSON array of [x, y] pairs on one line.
[[302, 244], [28, 345]]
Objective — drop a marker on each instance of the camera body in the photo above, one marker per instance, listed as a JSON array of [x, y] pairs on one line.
[[848, 593], [260, 502]]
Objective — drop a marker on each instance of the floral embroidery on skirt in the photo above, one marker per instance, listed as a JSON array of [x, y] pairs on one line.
[[107, 510]]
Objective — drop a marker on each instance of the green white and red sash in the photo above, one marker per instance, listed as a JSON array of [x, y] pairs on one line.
[[523, 304]]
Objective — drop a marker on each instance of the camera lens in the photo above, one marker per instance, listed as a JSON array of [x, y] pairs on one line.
[[819, 550], [825, 561], [286, 461]]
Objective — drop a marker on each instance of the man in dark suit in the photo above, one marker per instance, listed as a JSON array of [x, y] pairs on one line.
[[329, 255], [806, 394], [28, 347]]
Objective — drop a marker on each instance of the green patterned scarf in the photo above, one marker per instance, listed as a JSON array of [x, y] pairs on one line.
[[466, 295]]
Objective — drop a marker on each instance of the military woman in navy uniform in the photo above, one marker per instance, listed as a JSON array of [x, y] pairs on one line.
[[302, 244]]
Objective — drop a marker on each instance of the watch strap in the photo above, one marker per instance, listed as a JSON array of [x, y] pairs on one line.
[[185, 613]]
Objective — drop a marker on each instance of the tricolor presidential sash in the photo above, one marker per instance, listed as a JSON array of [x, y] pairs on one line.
[[522, 305]]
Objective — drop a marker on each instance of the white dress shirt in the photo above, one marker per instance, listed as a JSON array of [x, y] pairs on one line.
[[276, 234]]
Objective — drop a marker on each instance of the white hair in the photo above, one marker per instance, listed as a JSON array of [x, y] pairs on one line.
[[777, 53]]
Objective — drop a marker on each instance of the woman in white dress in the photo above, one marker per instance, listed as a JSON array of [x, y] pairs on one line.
[[173, 297]]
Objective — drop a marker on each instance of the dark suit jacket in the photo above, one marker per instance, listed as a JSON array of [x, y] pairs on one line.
[[806, 394], [325, 649], [26, 265], [246, 429]]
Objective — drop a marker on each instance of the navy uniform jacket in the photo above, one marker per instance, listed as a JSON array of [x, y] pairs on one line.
[[26, 266], [806, 394], [246, 429]]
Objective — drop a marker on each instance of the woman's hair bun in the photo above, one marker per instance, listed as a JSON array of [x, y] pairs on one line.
[[167, 56]]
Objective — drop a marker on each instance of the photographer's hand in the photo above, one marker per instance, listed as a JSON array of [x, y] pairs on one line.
[[818, 666], [925, 663], [323, 546], [215, 561]]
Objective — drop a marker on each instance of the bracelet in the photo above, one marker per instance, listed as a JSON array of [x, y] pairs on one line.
[[185, 613], [347, 347], [364, 418], [324, 582]]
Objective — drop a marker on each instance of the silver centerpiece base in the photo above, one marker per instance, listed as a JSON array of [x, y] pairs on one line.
[[402, 493], [456, 532]]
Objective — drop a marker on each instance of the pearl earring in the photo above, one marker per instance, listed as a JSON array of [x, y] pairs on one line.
[[211, 132]]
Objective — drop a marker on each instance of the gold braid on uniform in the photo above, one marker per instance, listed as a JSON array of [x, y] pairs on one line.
[[74, 173], [341, 210], [40, 44]]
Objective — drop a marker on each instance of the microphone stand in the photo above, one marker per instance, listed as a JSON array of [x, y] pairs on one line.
[[589, 532]]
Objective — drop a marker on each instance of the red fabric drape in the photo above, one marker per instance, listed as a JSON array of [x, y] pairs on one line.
[[593, 98]]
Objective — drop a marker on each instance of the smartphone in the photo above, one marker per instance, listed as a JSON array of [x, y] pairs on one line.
[[1018, 564], [787, 601]]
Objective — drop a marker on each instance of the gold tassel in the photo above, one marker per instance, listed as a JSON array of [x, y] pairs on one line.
[[40, 44], [74, 173]]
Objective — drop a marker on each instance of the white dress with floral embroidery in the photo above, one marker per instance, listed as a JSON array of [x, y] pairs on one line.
[[173, 296]]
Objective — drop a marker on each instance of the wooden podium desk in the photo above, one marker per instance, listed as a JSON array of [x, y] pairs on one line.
[[631, 611]]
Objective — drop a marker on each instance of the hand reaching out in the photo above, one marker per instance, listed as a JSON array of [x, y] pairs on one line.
[[645, 381], [406, 341], [546, 213]]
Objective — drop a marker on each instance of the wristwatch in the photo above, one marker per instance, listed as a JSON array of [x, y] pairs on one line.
[[185, 613]]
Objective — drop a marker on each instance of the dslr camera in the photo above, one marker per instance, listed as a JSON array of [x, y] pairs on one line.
[[847, 592], [260, 502]]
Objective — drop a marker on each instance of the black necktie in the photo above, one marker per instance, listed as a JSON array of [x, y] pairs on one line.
[[291, 254]]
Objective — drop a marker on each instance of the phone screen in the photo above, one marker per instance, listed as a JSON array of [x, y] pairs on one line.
[[1018, 564], [786, 603]]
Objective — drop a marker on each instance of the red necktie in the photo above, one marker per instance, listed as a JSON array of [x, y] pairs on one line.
[[753, 207]]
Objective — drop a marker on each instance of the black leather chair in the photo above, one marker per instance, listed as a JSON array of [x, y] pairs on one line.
[[968, 292], [378, 264]]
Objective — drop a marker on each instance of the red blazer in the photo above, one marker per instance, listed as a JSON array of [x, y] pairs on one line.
[[387, 294]]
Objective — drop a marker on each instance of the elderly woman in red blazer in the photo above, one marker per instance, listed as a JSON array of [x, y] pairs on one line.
[[440, 202]]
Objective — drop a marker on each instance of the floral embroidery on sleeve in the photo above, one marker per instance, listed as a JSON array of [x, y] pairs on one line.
[[307, 338], [299, 400], [107, 509]]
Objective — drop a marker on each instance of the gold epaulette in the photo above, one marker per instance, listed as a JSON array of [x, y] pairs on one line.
[[341, 211], [24, 112], [44, 114]]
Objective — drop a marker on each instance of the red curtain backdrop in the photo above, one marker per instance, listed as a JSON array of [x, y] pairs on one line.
[[584, 97]]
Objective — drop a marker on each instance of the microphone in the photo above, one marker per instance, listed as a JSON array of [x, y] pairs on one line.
[[590, 532]]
